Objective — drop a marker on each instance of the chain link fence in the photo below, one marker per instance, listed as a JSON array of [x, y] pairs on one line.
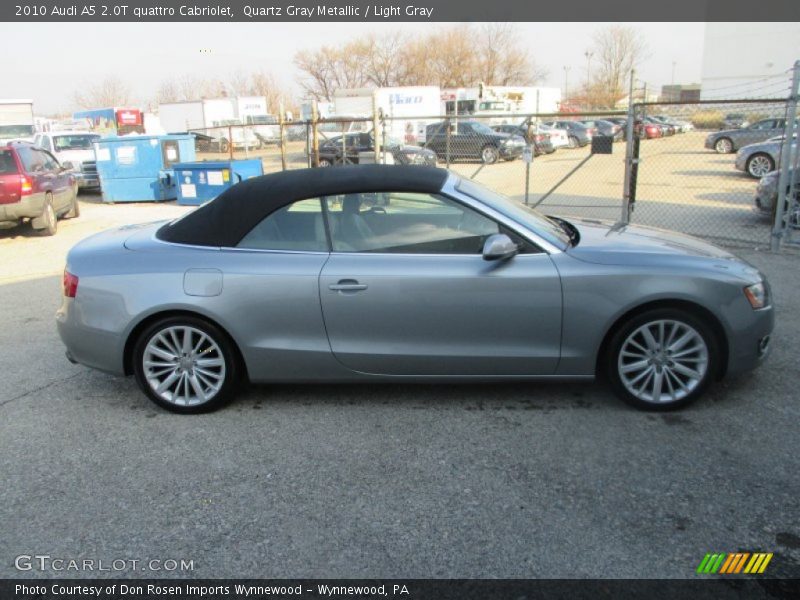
[[699, 167], [706, 168]]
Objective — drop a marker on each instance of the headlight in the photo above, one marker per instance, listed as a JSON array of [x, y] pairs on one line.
[[756, 294]]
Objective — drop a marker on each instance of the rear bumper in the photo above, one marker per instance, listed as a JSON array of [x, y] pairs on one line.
[[28, 207], [88, 345]]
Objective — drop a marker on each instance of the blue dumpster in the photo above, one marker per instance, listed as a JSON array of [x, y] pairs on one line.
[[137, 168], [199, 182]]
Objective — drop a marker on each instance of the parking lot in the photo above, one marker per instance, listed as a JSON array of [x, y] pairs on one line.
[[517, 480]]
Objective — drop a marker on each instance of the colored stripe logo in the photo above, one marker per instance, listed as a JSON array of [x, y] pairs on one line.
[[733, 563]]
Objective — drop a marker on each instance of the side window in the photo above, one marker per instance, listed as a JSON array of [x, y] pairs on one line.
[[45, 142], [768, 124], [298, 226], [50, 162], [31, 161], [405, 223]]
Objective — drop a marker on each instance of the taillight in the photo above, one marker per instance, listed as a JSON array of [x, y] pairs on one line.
[[25, 185], [70, 284]]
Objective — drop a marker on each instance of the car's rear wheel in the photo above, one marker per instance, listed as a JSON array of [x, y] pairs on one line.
[[324, 162], [662, 359], [49, 220], [573, 142], [490, 154], [723, 146], [759, 165], [185, 365]]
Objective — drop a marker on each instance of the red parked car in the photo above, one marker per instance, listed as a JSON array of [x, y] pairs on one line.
[[648, 130], [35, 186]]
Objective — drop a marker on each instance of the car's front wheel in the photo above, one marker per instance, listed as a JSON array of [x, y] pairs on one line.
[[185, 365], [662, 359], [759, 165], [573, 142], [723, 146], [490, 155]]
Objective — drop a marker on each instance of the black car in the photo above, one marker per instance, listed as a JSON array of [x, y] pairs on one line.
[[331, 152], [621, 122], [541, 141], [473, 140], [606, 128], [579, 134]]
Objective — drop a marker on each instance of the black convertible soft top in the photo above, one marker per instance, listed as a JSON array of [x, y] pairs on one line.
[[229, 217]]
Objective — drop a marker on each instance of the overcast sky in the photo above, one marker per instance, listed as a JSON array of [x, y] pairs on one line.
[[49, 61]]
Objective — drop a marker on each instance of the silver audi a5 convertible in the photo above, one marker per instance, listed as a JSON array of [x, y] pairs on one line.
[[405, 273]]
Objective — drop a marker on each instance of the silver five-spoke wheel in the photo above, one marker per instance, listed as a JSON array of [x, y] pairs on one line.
[[184, 366], [663, 361]]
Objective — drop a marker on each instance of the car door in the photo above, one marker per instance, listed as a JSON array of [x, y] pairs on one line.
[[61, 180], [406, 291]]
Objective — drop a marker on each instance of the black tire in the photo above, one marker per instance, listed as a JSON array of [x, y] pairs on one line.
[[759, 164], [613, 362], [490, 154], [224, 146], [74, 208], [723, 145], [49, 218], [324, 162], [574, 142], [231, 369]]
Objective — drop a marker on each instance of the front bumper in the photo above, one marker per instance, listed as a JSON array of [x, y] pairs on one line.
[[710, 141], [511, 151], [87, 180], [741, 161], [750, 344]]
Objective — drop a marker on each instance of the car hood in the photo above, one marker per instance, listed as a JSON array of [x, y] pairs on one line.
[[729, 132], [762, 147], [75, 156], [604, 242]]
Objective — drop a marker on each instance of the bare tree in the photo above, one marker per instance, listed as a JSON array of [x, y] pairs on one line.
[[190, 87], [451, 57], [107, 92], [617, 49], [502, 60]]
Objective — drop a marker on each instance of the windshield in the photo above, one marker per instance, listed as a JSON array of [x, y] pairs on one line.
[[14, 131], [482, 129], [74, 142], [545, 227]]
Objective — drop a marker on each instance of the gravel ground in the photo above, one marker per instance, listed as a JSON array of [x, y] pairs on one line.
[[517, 480]]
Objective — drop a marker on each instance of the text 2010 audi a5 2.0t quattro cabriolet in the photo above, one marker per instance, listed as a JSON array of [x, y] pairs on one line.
[[405, 273]]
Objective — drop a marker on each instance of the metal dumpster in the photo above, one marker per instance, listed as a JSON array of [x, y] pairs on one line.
[[199, 182], [139, 168]]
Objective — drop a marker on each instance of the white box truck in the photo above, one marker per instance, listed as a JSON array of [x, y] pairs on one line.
[[408, 110], [16, 120], [211, 116]]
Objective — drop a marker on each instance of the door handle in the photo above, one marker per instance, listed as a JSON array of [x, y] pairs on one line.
[[347, 285]]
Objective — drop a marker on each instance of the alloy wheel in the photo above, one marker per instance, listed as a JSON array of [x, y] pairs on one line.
[[759, 165], [723, 146], [184, 366], [663, 361]]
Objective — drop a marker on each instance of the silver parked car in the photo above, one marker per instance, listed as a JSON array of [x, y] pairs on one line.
[[404, 273], [759, 159], [725, 142]]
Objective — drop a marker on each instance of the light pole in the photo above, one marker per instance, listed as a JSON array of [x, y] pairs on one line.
[[566, 83], [588, 56]]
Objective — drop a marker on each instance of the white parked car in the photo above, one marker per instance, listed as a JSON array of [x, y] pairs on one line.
[[559, 137], [76, 147]]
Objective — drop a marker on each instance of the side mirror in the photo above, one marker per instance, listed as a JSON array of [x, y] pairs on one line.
[[67, 166], [499, 247]]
